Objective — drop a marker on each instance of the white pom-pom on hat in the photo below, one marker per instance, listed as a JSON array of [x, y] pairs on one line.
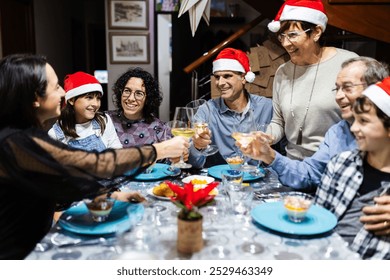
[[274, 26], [250, 77]]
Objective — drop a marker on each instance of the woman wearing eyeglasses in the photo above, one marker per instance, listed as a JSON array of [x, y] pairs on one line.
[[81, 124], [304, 107], [137, 97]]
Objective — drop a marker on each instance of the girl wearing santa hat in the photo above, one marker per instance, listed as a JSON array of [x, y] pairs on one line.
[[304, 107], [81, 124], [356, 184]]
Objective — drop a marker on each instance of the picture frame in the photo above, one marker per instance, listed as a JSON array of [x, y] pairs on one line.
[[167, 5], [128, 14], [128, 47]]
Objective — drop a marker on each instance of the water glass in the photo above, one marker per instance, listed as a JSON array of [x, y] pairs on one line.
[[240, 197], [231, 176]]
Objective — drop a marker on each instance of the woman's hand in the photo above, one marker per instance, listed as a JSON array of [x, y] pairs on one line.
[[377, 218], [177, 159], [172, 148], [259, 148]]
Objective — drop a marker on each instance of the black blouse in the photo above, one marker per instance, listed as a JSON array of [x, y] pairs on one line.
[[38, 173]]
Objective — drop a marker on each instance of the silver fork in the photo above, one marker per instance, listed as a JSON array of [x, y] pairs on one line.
[[98, 241]]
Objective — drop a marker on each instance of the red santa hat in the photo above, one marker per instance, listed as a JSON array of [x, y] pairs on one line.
[[379, 94], [230, 59], [80, 83], [303, 10]]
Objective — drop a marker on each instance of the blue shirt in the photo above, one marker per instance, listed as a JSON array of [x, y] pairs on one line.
[[308, 172], [221, 123]]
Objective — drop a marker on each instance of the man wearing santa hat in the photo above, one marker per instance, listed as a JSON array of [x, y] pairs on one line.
[[302, 90], [231, 70], [356, 184]]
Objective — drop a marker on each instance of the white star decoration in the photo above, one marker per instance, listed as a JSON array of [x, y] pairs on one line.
[[196, 9]]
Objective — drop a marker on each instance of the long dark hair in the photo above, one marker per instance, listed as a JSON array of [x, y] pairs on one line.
[[67, 120], [22, 79], [152, 88]]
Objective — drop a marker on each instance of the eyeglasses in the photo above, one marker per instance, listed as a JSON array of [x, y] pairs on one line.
[[292, 36], [138, 95], [346, 88]]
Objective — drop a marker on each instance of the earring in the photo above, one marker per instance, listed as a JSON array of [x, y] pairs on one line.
[[36, 104]]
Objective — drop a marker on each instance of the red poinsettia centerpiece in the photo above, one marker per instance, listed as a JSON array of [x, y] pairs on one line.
[[190, 199]]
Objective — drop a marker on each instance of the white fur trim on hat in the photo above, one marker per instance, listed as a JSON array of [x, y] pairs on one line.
[[226, 64], [304, 14], [82, 90], [379, 97]]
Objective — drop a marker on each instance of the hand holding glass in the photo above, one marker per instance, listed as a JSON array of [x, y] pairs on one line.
[[243, 132], [182, 126], [201, 122]]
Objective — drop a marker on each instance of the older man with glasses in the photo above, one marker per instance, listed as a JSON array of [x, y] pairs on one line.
[[355, 75]]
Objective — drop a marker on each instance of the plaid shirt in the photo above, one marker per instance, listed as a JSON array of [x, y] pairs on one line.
[[339, 187]]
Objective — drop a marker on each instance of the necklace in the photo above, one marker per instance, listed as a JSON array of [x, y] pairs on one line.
[[299, 139]]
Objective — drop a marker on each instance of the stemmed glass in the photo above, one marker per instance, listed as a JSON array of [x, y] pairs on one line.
[[243, 132], [201, 122], [182, 126]]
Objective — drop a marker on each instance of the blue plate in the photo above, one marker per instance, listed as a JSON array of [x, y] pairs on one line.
[[159, 171], [78, 220], [216, 170], [273, 216]]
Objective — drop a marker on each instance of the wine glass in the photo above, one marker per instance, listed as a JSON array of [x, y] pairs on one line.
[[182, 126], [244, 133], [201, 122]]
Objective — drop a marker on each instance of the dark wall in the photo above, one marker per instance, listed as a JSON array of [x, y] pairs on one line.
[[17, 26]]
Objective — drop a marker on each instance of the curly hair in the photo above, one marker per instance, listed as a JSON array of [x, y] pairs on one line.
[[154, 95]]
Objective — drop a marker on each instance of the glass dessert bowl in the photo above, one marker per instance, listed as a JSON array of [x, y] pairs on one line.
[[235, 162], [296, 205]]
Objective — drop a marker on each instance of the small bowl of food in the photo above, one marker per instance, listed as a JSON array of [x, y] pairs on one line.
[[100, 207], [235, 162], [296, 205]]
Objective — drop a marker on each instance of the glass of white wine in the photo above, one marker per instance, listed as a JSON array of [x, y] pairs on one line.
[[244, 133], [182, 126], [201, 122]]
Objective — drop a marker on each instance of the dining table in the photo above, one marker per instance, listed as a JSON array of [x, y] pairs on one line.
[[148, 230]]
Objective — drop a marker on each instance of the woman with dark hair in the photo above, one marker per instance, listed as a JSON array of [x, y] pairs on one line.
[[356, 184], [137, 97], [36, 172]]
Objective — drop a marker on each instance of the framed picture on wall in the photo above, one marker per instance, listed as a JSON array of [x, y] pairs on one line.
[[127, 47], [129, 14]]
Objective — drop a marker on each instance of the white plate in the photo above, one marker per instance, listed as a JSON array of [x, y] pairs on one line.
[[150, 192], [198, 177]]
